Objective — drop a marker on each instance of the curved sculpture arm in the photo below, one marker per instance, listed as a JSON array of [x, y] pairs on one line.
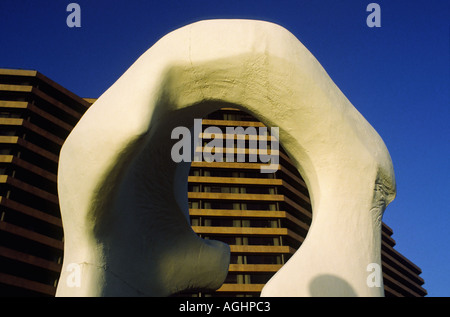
[[124, 201]]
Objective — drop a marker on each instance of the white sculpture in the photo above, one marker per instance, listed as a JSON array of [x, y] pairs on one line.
[[124, 201]]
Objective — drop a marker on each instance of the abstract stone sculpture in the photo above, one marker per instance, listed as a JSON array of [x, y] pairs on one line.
[[124, 201]]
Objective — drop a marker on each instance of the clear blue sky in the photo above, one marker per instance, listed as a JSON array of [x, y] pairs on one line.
[[397, 76]]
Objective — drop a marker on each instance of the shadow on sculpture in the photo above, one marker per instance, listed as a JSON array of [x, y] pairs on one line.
[[124, 200], [330, 286]]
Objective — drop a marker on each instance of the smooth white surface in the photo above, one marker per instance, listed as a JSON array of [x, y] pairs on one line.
[[124, 202]]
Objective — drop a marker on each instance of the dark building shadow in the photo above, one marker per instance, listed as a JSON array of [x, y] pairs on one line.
[[330, 286]]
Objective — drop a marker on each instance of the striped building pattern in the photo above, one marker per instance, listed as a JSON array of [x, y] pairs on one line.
[[36, 115]]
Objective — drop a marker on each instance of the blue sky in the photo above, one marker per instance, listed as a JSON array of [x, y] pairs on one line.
[[396, 75]]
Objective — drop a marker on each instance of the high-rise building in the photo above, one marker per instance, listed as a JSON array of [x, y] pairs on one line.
[[264, 217], [36, 115]]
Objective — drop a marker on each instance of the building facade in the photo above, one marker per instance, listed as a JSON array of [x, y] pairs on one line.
[[264, 217], [36, 115]]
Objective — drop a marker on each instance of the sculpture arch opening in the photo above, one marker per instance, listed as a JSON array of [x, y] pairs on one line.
[[263, 217]]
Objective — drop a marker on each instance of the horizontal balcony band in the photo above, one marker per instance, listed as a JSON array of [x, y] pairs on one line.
[[17, 72], [224, 150], [293, 176], [247, 231], [11, 121], [66, 92], [31, 235], [387, 229], [27, 284], [28, 166], [237, 136], [57, 104], [234, 180], [33, 108], [251, 166], [262, 249], [248, 181], [232, 123], [248, 214], [296, 192], [40, 94], [8, 203], [387, 279], [13, 104], [5, 179], [390, 291], [240, 288], [73, 113], [241, 231], [249, 197], [233, 196], [397, 255], [387, 255], [45, 134], [14, 140], [214, 150], [90, 101], [254, 268], [401, 278], [30, 259], [246, 150], [51, 118], [15, 88], [233, 165], [237, 213], [31, 127], [297, 207], [388, 239]]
